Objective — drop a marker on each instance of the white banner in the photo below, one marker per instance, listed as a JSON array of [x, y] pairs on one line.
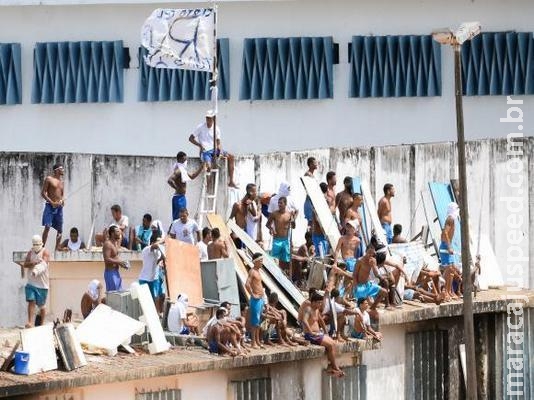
[[180, 38]]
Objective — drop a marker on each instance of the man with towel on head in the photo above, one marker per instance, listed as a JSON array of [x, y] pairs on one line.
[[179, 320], [92, 297]]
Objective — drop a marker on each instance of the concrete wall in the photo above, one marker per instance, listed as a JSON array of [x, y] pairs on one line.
[[261, 126]]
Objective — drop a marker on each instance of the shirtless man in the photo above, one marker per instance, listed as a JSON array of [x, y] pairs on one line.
[[308, 207], [347, 245], [220, 336], [344, 198], [53, 194], [312, 324], [178, 181], [254, 286], [364, 286], [218, 247], [279, 223], [384, 211], [300, 260], [446, 252], [353, 213], [278, 318], [112, 261], [331, 182], [239, 213], [319, 239]]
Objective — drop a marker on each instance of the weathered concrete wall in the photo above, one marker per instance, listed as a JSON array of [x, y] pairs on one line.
[[139, 185]]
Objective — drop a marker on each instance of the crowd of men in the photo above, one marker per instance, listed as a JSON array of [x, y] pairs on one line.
[[363, 275]]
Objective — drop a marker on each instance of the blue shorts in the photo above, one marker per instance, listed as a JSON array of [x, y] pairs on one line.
[[281, 249], [360, 249], [308, 209], [314, 339], [36, 294], [408, 294], [154, 287], [350, 263], [446, 258], [53, 217], [213, 347], [357, 335], [113, 280], [320, 242], [178, 202], [254, 311], [388, 232], [185, 331], [207, 156], [365, 290]]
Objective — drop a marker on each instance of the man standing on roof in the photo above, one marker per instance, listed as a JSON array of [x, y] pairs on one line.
[[202, 137], [384, 211], [308, 207], [178, 181], [344, 198], [446, 251], [53, 194]]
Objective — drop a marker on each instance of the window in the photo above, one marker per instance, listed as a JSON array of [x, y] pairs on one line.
[[10, 79], [169, 394], [253, 389], [351, 387], [287, 68], [394, 66], [498, 63], [163, 84], [78, 72]]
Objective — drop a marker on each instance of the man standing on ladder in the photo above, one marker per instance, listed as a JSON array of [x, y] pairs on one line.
[[203, 137]]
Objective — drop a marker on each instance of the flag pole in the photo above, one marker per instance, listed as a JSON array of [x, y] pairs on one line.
[[213, 87]]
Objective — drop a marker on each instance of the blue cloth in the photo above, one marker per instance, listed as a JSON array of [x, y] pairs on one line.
[[113, 280], [320, 242], [53, 217], [154, 287], [350, 263], [388, 232], [185, 331], [314, 339], [281, 249], [367, 289], [207, 156], [213, 346], [143, 234], [357, 335], [444, 255], [178, 202], [255, 310], [36, 294], [408, 294], [360, 249], [308, 209]]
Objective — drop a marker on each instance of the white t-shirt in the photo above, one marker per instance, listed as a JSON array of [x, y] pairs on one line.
[[203, 248], [175, 319], [150, 270], [185, 232], [204, 136]]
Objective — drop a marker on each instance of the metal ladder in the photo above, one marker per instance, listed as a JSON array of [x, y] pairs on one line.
[[208, 201]]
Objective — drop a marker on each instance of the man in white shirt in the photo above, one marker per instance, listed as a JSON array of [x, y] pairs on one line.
[[149, 275], [203, 244], [283, 191], [179, 320], [185, 229], [202, 137]]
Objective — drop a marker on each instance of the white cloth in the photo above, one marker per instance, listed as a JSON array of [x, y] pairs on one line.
[[150, 270], [453, 210], [183, 171], [92, 289], [74, 246], [185, 232], [283, 191], [203, 249], [327, 309], [366, 318], [252, 222], [204, 136], [177, 314], [159, 225], [38, 275]]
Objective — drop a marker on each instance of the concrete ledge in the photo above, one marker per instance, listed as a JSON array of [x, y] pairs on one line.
[[82, 255], [103, 369]]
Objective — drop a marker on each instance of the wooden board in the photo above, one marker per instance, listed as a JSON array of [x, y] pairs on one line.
[[272, 286], [216, 221], [324, 215], [69, 347], [182, 261], [269, 263], [373, 214]]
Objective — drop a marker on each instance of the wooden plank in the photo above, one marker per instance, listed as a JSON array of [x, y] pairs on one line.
[[272, 286], [216, 221], [268, 262], [324, 215], [373, 214], [182, 262], [10, 357]]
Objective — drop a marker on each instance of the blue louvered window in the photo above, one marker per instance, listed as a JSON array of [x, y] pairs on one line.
[[78, 72], [163, 84], [287, 68], [498, 63], [394, 66], [10, 79]]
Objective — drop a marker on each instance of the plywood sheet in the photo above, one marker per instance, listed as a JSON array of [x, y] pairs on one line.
[[182, 262], [324, 215], [373, 214], [39, 342], [69, 347]]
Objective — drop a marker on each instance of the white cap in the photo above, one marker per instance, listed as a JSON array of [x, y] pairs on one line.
[[37, 240], [353, 223], [210, 113]]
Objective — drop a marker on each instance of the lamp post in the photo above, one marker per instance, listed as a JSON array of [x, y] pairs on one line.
[[465, 32]]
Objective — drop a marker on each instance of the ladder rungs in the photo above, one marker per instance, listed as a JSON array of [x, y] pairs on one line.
[[210, 196]]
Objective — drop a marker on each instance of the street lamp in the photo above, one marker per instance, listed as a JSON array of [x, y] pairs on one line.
[[466, 31]]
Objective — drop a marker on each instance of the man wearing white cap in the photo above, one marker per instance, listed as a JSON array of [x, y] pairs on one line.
[[202, 137], [446, 251], [38, 282]]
